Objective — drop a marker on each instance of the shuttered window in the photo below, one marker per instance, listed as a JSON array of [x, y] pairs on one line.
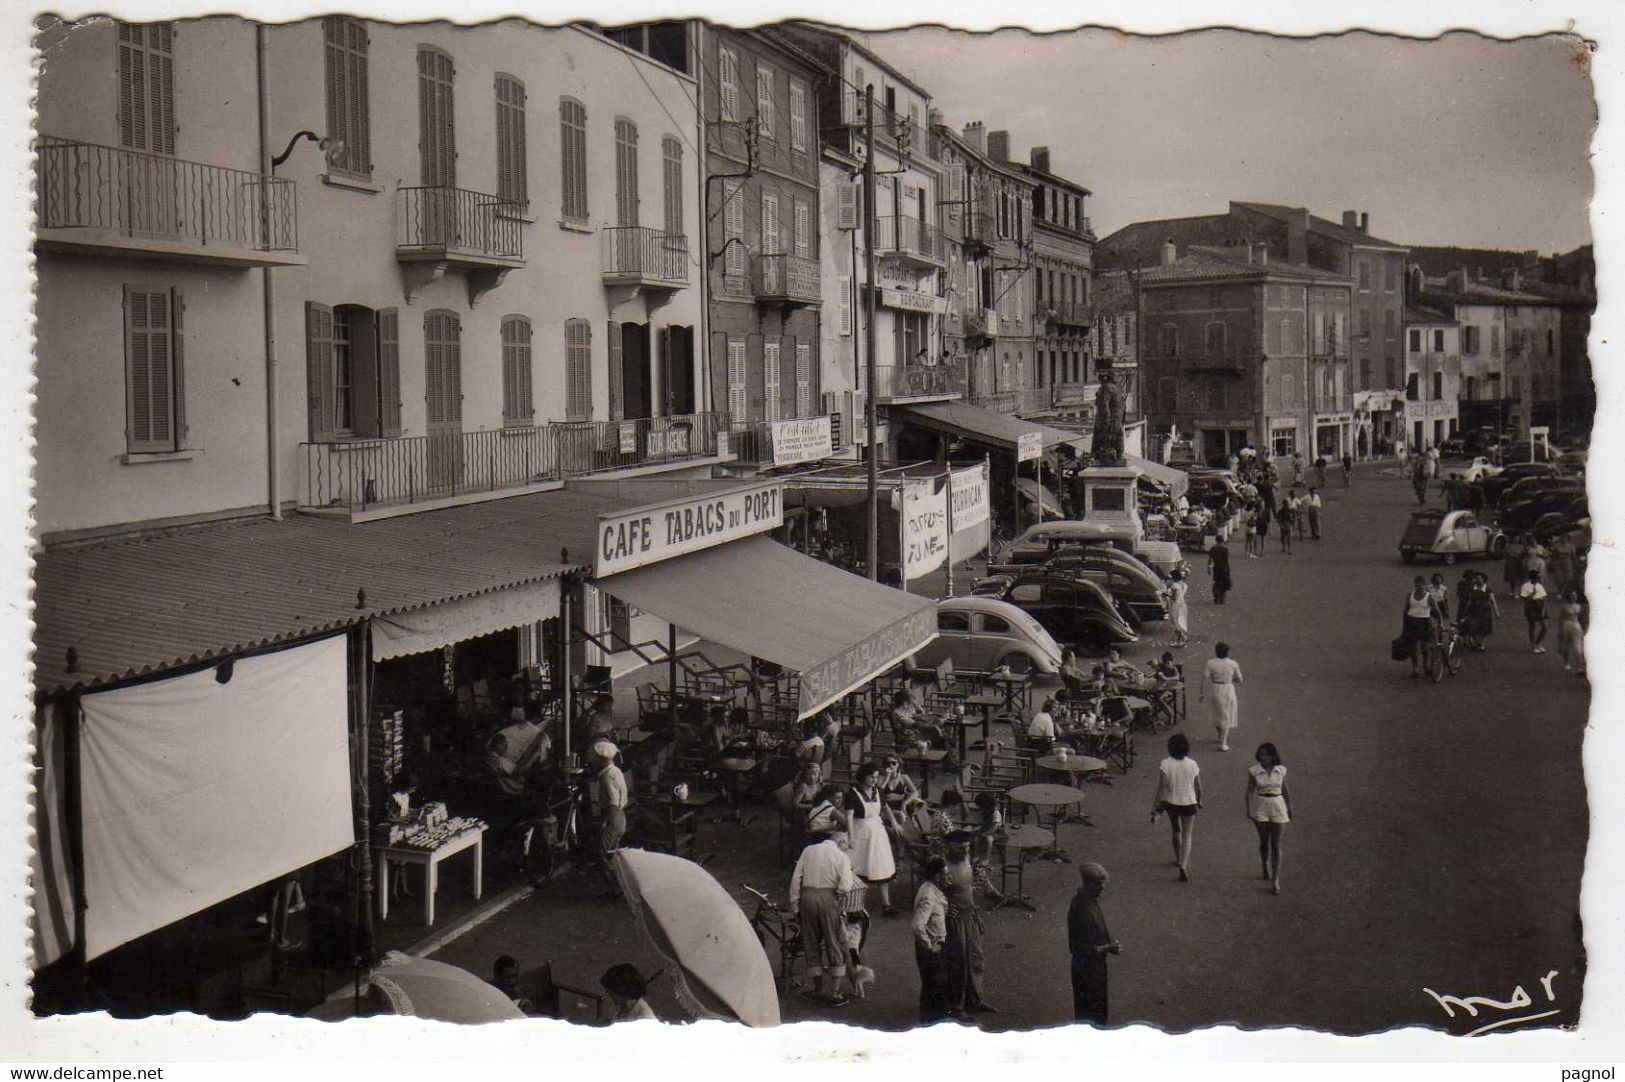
[[518, 402], [803, 379], [443, 360], [728, 77], [738, 404], [626, 172], [771, 245], [1170, 339], [798, 115], [512, 183], [671, 154], [388, 323], [770, 381], [766, 122], [344, 372], [843, 306], [1214, 345], [146, 84], [733, 225], [573, 158], [577, 370], [437, 140], [846, 206], [349, 117], [803, 230], [153, 369]]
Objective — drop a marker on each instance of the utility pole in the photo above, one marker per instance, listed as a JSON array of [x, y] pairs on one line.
[[870, 372]]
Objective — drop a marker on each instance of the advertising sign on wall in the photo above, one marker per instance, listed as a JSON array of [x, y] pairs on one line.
[[1029, 445], [925, 528], [970, 497], [804, 439]]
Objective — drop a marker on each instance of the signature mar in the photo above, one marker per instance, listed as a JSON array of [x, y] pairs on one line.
[[1520, 1001]]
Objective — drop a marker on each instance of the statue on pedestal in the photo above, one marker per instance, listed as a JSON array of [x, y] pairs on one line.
[[1107, 443]]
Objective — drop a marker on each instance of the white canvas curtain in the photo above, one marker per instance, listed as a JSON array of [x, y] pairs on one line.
[[195, 791], [431, 628], [48, 861]]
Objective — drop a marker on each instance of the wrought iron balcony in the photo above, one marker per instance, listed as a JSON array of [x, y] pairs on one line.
[[787, 279], [910, 240], [980, 231], [111, 199], [1067, 313], [919, 382], [379, 474], [460, 226], [982, 323], [640, 256]]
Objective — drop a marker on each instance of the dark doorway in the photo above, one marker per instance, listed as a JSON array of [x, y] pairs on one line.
[[679, 370], [635, 386]]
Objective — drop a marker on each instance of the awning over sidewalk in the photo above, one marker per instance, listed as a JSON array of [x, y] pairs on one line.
[[836, 630], [981, 425], [1176, 481]]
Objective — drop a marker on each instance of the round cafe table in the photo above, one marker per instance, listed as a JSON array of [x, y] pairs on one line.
[[1025, 840], [1053, 798], [1075, 766]]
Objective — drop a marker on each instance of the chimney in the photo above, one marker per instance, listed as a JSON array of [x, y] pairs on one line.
[[1511, 278], [1365, 222], [1263, 254], [1351, 219], [1531, 262], [1456, 280], [998, 145], [1170, 253], [1040, 159], [933, 117], [974, 135], [1297, 236]]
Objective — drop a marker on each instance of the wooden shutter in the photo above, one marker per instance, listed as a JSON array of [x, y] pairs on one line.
[[765, 120], [846, 206], [803, 379], [573, 158], [319, 387], [389, 372], [578, 370], [770, 224], [518, 402], [899, 339], [437, 138], [843, 305], [803, 230], [146, 77], [770, 380], [512, 182], [738, 401], [177, 360], [626, 172], [347, 92], [672, 159], [798, 115], [728, 75], [733, 224], [617, 407], [148, 357]]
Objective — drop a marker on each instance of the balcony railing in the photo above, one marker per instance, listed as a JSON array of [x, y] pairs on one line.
[[979, 229], [1067, 313], [366, 474], [640, 255], [895, 383], [455, 223], [982, 323], [135, 194], [908, 238], [998, 401], [1073, 394], [790, 278]]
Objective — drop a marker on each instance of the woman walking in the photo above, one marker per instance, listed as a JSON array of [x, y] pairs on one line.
[[1421, 614], [1218, 565], [1178, 611], [871, 844], [1533, 594], [1571, 633], [1221, 676], [1440, 594], [1480, 612], [1179, 795], [1269, 806]]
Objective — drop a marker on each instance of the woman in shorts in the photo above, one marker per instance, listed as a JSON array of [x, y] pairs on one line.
[[1269, 806], [1179, 795]]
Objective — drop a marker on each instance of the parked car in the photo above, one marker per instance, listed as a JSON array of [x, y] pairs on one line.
[[1522, 515], [1530, 487], [982, 633], [1214, 491], [1079, 614], [1572, 463], [1469, 470], [1039, 542], [1549, 527], [1455, 447], [1521, 452], [1135, 587], [1452, 535], [1510, 475]]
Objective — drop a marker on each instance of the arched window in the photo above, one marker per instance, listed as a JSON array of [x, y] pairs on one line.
[[518, 402], [573, 159], [437, 140], [349, 118]]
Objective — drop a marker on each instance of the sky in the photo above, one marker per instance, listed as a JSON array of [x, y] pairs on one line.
[[1462, 140]]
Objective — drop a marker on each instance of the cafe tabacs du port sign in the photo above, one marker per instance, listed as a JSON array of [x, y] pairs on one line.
[[661, 531]]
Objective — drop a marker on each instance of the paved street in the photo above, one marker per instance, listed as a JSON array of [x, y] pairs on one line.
[[1438, 839]]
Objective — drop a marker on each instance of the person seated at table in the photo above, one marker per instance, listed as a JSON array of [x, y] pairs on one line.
[[1101, 683], [905, 708], [1073, 676], [1166, 669], [795, 797], [828, 812], [1043, 729], [896, 787], [936, 821], [1119, 669], [811, 749]]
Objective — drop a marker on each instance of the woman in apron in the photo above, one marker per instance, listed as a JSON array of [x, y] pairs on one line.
[[871, 844]]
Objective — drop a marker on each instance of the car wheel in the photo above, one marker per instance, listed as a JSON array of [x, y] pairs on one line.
[[1017, 663]]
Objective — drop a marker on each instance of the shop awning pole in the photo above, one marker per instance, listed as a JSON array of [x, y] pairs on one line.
[[364, 672], [566, 616], [72, 719], [671, 672]]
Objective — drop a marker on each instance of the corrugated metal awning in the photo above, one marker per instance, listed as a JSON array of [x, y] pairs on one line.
[[142, 605]]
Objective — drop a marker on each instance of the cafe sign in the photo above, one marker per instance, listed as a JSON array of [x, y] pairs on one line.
[[857, 664], [648, 535], [804, 439]]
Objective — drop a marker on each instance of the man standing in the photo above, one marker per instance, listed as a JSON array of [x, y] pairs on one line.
[[930, 935], [1089, 942], [962, 949], [1218, 565], [610, 787], [823, 874], [1311, 508]]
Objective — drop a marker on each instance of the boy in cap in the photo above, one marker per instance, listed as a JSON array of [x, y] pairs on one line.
[[1089, 942]]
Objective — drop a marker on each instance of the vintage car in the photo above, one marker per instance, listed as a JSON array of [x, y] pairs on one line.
[[1496, 485], [982, 633], [1468, 469], [1451, 535], [1135, 587], [1522, 515], [1039, 542], [1077, 614]]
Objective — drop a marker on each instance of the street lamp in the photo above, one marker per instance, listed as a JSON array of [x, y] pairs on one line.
[[332, 149]]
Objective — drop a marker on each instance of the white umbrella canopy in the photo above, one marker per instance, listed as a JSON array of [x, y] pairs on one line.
[[720, 969], [420, 988]]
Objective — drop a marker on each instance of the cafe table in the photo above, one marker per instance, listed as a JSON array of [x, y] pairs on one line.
[[430, 859], [1053, 798], [926, 760], [986, 702], [961, 726], [1025, 840], [1072, 764], [1016, 687]]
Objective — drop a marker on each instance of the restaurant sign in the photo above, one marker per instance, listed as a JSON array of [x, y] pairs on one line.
[[860, 662], [1029, 445], [908, 300], [648, 535], [804, 439], [925, 528]]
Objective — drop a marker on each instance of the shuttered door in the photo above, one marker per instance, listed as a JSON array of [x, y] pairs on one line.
[[728, 76], [843, 305], [770, 224], [578, 370], [512, 183], [389, 372], [738, 403], [803, 228], [798, 115], [443, 397], [319, 383], [733, 223], [672, 159], [518, 406], [146, 76], [148, 347], [626, 172], [437, 146], [770, 380], [573, 158], [617, 403], [803, 379]]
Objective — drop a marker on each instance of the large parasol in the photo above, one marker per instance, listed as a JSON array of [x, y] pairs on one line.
[[423, 989], [687, 918]]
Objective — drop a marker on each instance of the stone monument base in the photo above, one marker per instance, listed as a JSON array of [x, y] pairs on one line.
[[1109, 499]]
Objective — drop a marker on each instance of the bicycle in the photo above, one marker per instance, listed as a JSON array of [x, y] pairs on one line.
[[1441, 654], [772, 921]]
